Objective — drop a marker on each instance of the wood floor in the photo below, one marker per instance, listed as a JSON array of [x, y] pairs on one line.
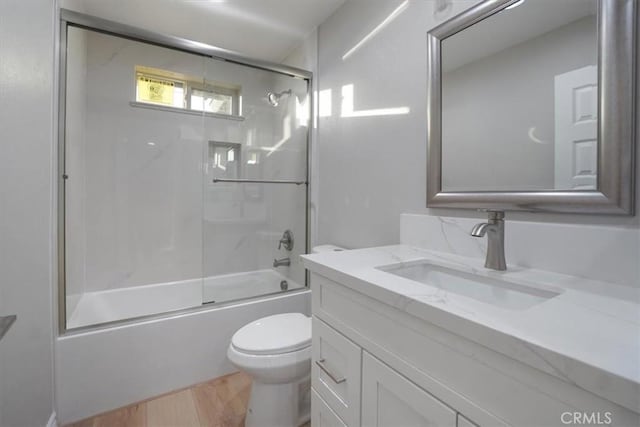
[[218, 403]]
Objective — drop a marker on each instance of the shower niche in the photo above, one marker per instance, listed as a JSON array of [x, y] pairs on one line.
[[225, 159], [178, 174]]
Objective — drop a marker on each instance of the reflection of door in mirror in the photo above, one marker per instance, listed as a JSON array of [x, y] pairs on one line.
[[504, 124], [576, 120]]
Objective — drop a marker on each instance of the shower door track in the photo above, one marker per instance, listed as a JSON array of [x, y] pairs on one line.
[[261, 181]]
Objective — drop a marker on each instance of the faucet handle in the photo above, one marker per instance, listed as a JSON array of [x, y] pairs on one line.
[[286, 240], [493, 213], [496, 214]]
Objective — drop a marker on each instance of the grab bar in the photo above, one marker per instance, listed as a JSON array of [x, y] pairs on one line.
[[259, 181], [5, 324]]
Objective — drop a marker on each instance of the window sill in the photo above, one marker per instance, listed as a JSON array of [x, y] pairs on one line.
[[183, 111]]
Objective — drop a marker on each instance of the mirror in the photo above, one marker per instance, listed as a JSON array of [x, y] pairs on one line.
[[532, 90], [531, 107]]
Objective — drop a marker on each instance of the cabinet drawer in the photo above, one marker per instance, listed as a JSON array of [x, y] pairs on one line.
[[391, 400], [321, 414], [335, 371]]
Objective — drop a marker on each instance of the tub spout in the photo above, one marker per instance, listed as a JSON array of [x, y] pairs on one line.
[[286, 262]]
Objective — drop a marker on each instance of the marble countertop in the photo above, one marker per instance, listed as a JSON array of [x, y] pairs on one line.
[[588, 335]]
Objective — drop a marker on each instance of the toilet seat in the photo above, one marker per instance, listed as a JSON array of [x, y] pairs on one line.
[[282, 365], [271, 369], [273, 335]]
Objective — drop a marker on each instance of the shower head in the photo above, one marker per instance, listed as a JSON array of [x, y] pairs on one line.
[[274, 98]]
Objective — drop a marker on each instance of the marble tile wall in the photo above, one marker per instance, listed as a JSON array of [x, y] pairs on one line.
[[597, 252]]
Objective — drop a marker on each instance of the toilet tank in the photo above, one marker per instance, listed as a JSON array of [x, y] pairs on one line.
[[326, 248]]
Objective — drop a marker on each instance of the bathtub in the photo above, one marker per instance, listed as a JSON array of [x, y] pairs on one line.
[[104, 368], [94, 308]]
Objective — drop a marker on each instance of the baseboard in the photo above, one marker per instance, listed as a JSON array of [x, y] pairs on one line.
[[52, 420]]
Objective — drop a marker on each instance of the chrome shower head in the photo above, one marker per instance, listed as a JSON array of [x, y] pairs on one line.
[[273, 98]]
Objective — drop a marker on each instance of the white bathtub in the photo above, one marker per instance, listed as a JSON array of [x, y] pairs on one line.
[[94, 308], [102, 369]]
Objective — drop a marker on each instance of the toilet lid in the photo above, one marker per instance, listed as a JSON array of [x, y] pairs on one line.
[[281, 333]]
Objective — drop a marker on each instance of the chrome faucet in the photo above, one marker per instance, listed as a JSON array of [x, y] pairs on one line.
[[286, 262], [495, 245]]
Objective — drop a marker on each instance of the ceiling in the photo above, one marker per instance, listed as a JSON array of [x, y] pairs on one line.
[[264, 29], [511, 27]]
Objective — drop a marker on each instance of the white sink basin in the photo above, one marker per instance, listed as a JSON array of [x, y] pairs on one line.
[[494, 291]]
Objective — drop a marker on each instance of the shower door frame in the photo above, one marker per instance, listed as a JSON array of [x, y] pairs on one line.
[[69, 18]]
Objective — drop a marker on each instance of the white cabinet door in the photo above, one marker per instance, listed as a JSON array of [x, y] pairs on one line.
[[335, 372], [321, 414], [391, 400]]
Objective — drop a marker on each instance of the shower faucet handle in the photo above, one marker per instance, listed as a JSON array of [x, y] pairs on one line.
[[286, 240]]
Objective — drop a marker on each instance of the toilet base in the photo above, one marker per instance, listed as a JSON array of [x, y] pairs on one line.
[[279, 405]]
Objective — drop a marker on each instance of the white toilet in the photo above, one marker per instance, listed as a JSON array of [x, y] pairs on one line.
[[276, 352]]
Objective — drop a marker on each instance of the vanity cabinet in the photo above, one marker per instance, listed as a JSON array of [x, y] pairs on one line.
[[377, 365], [351, 387], [336, 371], [390, 400], [321, 414]]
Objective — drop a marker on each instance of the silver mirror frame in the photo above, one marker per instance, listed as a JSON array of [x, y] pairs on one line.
[[617, 45]]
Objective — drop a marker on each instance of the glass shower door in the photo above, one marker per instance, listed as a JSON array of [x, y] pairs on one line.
[[133, 179], [255, 185], [184, 179]]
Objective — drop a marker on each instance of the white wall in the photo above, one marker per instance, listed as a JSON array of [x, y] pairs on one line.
[[374, 168], [26, 227]]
